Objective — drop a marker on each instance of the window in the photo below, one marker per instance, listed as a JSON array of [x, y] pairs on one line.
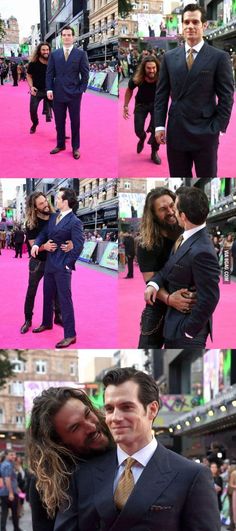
[[16, 388], [1, 416], [18, 365], [19, 420], [19, 407], [145, 7], [72, 369], [41, 367], [127, 186]]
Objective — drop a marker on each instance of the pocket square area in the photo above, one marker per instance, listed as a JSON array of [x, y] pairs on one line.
[[161, 507]]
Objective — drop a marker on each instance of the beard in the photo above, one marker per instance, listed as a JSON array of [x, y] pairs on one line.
[[173, 230]]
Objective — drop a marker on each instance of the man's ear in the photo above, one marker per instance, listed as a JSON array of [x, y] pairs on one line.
[[153, 409]]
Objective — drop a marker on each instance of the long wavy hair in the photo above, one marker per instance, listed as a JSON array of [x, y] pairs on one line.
[[140, 74], [31, 209], [49, 459], [36, 54], [150, 230]]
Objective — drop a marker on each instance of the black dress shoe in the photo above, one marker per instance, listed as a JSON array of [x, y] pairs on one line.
[[48, 118], [128, 277], [41, 328], [155, 157], [56, 150], [33, 129], [25, 327], [140, 145], [76, 154], [58, 319], [66, 342]]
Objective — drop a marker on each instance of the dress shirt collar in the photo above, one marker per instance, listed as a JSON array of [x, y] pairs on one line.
[[197, 47], [142, 456], [188, 233], [68, 48], [63, 214]]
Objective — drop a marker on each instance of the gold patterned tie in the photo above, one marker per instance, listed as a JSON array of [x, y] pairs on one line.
[[190, 58], [58, 219], [178, 243], [67, 52], [125, 484]]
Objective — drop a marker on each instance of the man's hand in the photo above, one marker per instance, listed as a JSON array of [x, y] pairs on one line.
[[150, 294], [182, 300], [11, 496], [126, 114], [50, 246], [50, 94], [33, 91], [160, 137], [34, 251], [68, 246]]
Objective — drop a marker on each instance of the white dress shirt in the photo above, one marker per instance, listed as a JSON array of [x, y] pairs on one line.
[[143, 456], [63, 214]]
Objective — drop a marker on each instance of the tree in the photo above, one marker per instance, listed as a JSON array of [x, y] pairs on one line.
[[124, 8], [2, 29], [5, 368]]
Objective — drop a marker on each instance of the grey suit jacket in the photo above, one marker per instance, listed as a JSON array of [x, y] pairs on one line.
[[195, 117], [172, 494]]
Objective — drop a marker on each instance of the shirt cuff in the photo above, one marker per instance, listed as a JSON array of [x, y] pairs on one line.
[[153, 284], [187, 335], [159, 129]]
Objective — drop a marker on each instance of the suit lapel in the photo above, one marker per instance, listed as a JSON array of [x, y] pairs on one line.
[[65, 220], [155, 478], [183, 249], [104, 479]]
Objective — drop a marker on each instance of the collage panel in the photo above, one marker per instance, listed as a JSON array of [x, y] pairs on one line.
[[176, 97], [196, 273], [58, 263], [61, 409], [59, 77]]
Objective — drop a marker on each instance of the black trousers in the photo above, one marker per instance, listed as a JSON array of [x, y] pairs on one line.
[[204, 160], [59, 281], [198, 341], [60, 108], [151, 326], [130, 263], [141, 112], [34, 103], [36, 272], [6, 504], [18, 249]]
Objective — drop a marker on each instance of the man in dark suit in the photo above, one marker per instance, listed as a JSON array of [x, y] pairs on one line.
[[193, 75], [66, 80], [140, 485], [193, 265], [129, 253], [59, 265]]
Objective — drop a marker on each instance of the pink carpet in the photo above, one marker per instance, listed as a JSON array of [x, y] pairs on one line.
[[133, 165], [94, 296], [131, 303], [25, 155]]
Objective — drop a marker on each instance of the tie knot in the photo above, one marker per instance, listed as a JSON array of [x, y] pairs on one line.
[[129, 462]]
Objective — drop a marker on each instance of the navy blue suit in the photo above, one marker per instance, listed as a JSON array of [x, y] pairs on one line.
[[68, 80], [172, 494], [195, 118], [195, 265], [58, 268]]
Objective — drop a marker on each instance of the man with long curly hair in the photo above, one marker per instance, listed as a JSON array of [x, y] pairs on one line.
[[144, 80], [36, 78], [64, 428]]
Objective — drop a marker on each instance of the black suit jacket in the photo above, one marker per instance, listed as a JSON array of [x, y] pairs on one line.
[[68, 78], [69, 228], [195, 265], [195, 117], [172, 494]]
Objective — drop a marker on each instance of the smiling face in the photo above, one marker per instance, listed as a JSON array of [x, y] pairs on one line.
[[193, 27], [67, 38], [164, 209], [41, 204], [79, 428], [129, 422]]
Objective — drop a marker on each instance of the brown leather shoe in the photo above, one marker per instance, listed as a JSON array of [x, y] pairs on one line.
[[66, 342], [76, 154], [26, 326], [56, 150], [41, 328]]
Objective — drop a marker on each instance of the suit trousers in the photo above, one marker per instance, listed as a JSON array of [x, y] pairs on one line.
[[151, 326], [59, 281], [18, 249], [204, 160], [60, 108], [36, 272], [198, 341]]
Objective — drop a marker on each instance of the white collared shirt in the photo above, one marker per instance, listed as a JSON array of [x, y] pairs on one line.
[[196, 48], [143, 456], [63, 214], [69, 48]]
